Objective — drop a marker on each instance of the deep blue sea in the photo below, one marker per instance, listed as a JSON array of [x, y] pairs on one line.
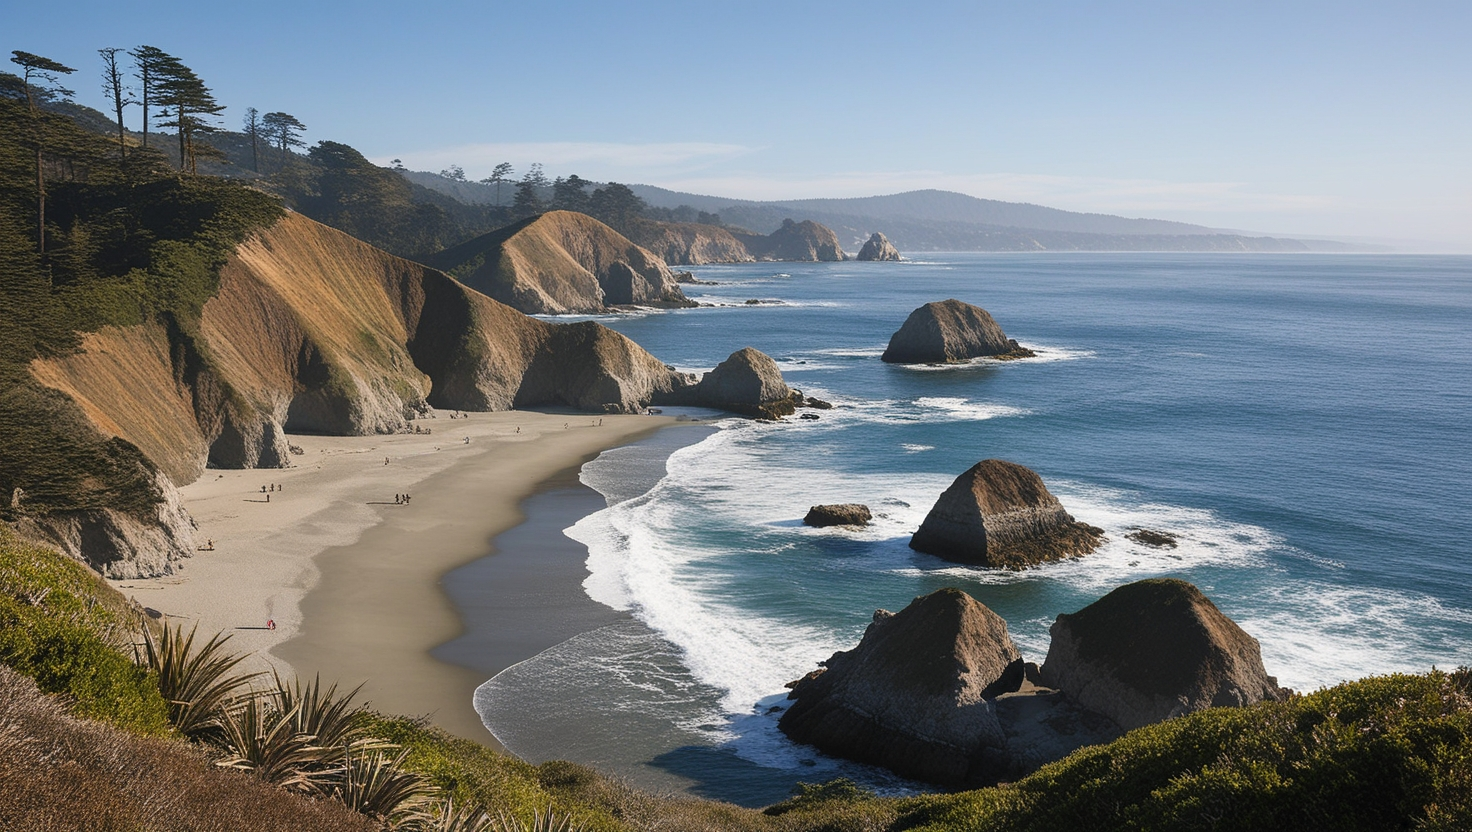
[[1302, 423]]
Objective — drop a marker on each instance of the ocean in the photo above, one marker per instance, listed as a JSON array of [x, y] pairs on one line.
[[1302, 423]]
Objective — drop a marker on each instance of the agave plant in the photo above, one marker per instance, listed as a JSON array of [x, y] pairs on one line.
[[198, 684], [330, 719], [264, 740], [446, 816], [373, 783], [540, 823]]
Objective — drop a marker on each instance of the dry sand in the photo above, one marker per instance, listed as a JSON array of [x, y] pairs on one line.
[[351, 579]]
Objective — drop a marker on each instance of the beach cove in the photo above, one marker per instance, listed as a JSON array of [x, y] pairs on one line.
[[350, 579]]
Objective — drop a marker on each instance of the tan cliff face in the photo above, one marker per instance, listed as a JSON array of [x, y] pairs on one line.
[[312, 331], [562, 262], [689, 243]]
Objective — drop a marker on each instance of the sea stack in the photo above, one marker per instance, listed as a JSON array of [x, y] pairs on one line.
[[1153, 650], [916, 694], [948, 332], [879, 248], [1000, 515], [748, 382]]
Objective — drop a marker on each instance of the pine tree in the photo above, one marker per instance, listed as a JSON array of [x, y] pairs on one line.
[[193, 104], [284, 130], [41, 82], [113, 88], [151, 64]]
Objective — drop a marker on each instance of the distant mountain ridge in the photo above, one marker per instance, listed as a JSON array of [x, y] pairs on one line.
[[934, 220]]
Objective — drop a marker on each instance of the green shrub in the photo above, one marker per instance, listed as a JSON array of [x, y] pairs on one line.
[[64, 627]]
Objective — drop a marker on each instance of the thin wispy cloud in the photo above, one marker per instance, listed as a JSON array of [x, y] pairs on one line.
[[598, 160]]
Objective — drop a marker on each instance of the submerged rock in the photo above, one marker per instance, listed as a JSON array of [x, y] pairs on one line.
[[879, 248], [1153, 650], [916, 694], [999, 514], [842, 514], [950, 331], [1151, 537]]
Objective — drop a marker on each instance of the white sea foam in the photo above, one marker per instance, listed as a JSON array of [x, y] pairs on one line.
[[911, 448], [967, 410], [1044, 355], [855, 352]]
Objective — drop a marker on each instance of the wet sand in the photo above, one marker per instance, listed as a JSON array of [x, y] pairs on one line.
[[351, 579]]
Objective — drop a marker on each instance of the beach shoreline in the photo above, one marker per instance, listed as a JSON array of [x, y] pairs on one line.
[[350, 579]]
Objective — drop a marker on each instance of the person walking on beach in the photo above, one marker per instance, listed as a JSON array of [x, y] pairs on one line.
[[270, 623]]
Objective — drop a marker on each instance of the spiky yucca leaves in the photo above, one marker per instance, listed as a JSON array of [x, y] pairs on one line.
[[264, 740], [446, 816], [540, 823], [331, 720], [375, 784], [198, 684]]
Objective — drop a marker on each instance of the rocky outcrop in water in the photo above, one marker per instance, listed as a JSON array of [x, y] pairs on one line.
[[999, 514], [1153, 650], [747, 382], [917, 693], [562, 262], [950, 331], [841, 514], [879, 247]]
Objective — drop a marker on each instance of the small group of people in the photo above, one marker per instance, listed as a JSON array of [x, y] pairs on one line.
[[272, 487], [455, 414], [401, 499], [209, 546], [421, 430]]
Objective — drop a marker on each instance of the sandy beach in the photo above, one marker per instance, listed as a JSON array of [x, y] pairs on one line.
[[352, 579]]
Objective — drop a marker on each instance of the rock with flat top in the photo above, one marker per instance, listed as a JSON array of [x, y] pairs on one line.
[[999, 514], [843, 514], [917, 695], [1153, 650], [949, 332]]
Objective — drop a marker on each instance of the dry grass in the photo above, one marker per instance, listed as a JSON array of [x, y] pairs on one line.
[[59, 773]]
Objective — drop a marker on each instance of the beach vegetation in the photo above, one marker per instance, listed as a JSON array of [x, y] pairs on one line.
[[200, 684]]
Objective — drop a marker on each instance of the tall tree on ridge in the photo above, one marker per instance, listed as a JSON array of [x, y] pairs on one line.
[[285, 130], [501, 173], [39, 70], [150, 63], [192, 103], [570, 194], [113, 87], [252, 125], [528, 199]]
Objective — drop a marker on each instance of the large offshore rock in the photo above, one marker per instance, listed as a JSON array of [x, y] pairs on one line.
[[916, 694], [798, 241], [999, 514], [747, 382], [878, 247], [950, 331], [1152, 650]]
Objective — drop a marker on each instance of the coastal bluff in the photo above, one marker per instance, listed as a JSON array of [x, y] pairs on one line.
[[916, 694], [693, 244], [999, 514], [1153, 650], [949, 332], [309, 330], [562, 262], [878, 247]]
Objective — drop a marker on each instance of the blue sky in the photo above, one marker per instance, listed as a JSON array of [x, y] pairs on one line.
[[1310, 118]]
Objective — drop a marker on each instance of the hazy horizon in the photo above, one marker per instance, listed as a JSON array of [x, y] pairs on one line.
[[1319, 121]]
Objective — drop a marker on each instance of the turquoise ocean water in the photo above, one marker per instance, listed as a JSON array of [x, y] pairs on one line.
[[1302, 423]]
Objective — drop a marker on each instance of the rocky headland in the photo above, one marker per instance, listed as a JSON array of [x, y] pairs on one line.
[[562, 262], [1000, 515], [1152, 650], [313, 331], [840, 514], [878, 247], [950, 331], [691, 244]]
